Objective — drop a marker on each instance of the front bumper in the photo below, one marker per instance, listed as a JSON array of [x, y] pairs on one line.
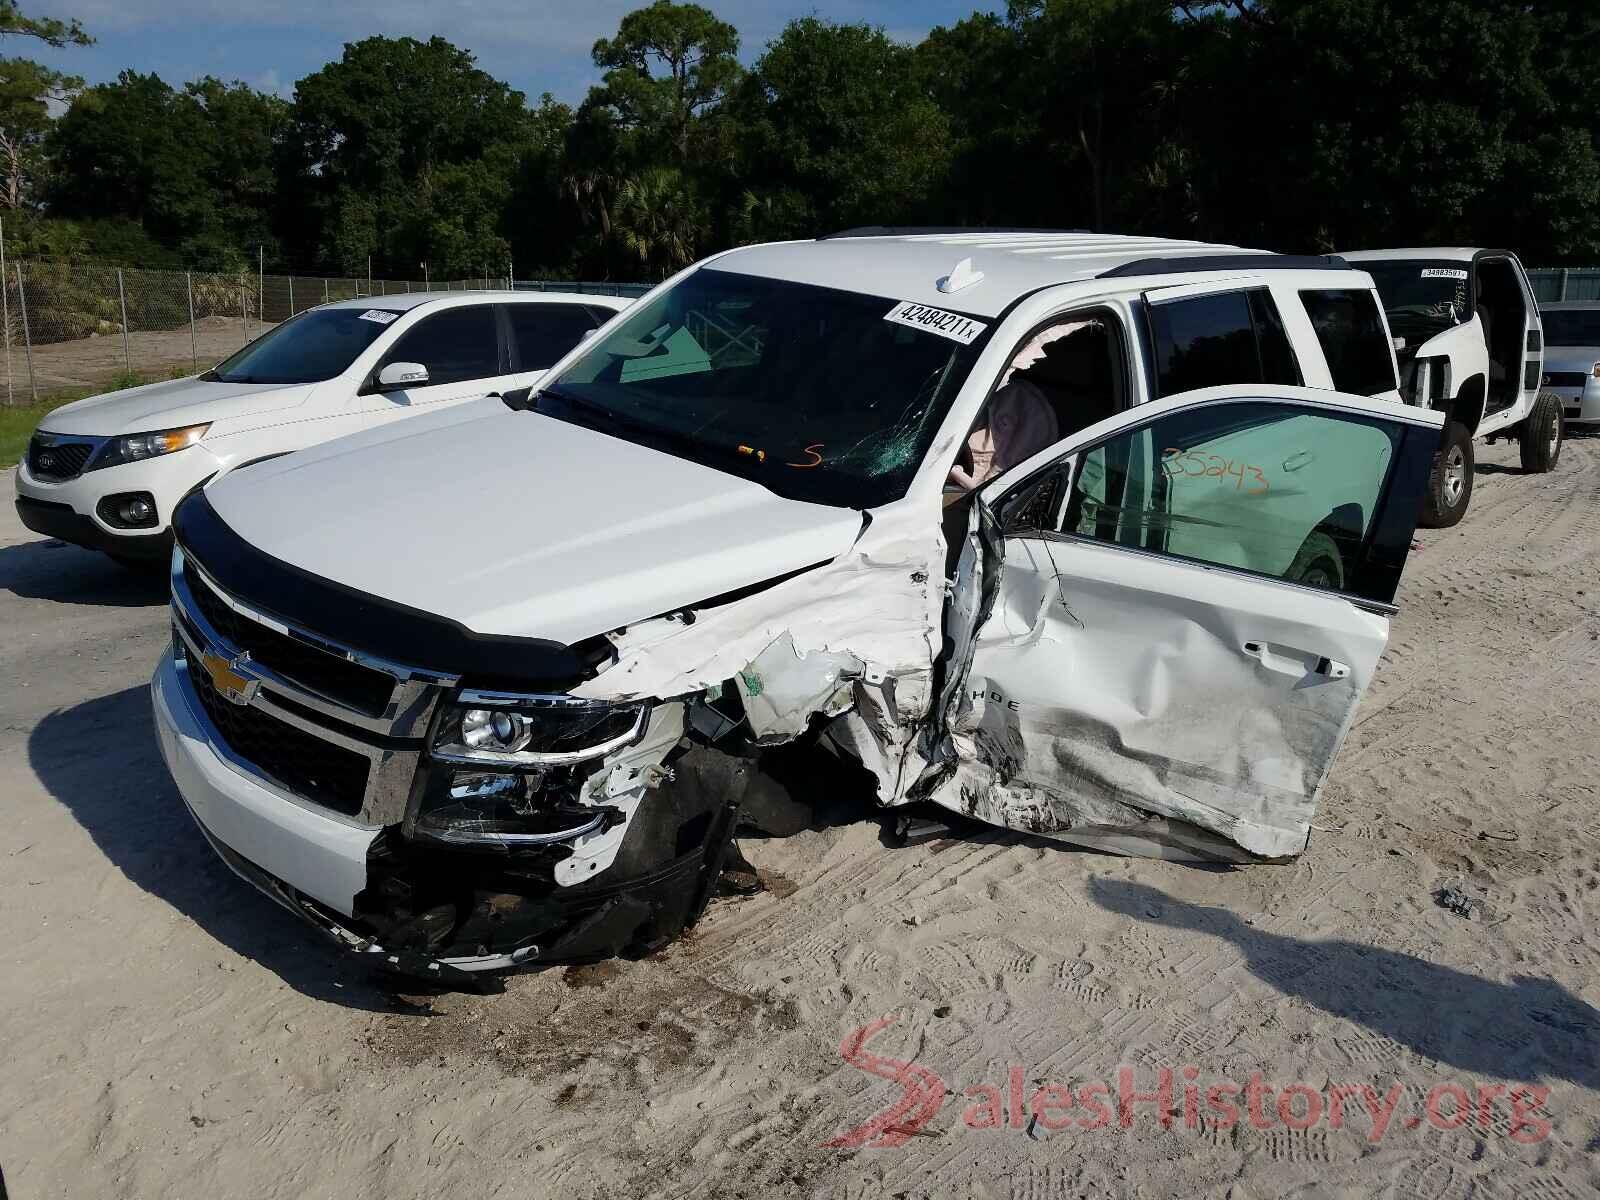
[[1580, 405], [57, 520], [435, 913], [68, 508]]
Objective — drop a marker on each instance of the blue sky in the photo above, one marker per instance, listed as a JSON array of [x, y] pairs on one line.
[[535, 45]]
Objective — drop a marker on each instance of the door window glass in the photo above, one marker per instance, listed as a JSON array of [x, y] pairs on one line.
[[544, 332], [1223, 338], [455, 345], [1276, 489], [1351, 334]]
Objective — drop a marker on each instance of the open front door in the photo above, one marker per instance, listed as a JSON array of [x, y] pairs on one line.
[[1162, 627]]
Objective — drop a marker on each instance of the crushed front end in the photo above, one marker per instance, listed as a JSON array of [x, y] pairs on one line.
[[441, 821]]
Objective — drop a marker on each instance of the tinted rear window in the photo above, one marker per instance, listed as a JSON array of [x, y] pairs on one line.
[[544, 332], [1350, 331], [1225, 338]]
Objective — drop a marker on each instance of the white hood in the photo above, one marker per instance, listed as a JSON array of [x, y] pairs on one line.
[[170, 405], [513, 523]]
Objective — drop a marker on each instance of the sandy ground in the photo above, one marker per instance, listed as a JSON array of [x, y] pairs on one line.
[[168, 1033], [92, 361]]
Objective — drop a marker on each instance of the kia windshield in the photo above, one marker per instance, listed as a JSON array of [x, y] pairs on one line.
[[314, 346], [1422, 299], [818, 394]]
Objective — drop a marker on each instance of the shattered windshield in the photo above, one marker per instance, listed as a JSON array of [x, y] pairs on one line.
[[1422, 299], [818, 394]]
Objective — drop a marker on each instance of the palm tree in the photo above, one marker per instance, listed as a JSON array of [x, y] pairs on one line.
[[659, 220]]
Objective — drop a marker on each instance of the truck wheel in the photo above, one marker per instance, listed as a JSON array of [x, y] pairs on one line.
[[1318, 563], [1450, 483], [1542, 435]]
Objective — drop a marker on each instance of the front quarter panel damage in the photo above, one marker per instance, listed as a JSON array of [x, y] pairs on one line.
[[850, 644]]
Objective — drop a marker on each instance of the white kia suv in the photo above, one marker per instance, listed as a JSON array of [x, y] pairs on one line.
[[106, 472]]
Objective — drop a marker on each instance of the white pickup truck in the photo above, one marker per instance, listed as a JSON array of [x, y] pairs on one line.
[[1470, 344], [1094, 537]]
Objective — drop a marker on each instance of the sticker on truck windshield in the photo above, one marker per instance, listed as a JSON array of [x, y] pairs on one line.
[[936, 320], [378, 315], [1443, 273]]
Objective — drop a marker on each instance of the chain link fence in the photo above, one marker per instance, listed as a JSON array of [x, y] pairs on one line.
[[72, 328]]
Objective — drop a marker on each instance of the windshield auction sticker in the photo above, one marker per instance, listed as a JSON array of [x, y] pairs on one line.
[[1443, 273], [936, 320], [378, 315]]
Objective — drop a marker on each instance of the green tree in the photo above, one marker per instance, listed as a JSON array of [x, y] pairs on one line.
[[49, 30], [26, 90], [838, 114], [659, 221], [192, 168], [380, 143], [669, 64], [135, 148]]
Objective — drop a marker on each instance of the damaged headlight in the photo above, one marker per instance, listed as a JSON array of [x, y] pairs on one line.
[[498, 729], [510, 767]]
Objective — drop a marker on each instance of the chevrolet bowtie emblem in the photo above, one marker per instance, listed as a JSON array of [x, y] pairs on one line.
[[228, 679]]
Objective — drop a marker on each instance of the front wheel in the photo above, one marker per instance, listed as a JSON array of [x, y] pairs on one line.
[[1450, 483], [1542, 434]]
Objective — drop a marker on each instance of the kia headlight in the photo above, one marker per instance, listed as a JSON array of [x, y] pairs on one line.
[[135, 447], [509, 769]]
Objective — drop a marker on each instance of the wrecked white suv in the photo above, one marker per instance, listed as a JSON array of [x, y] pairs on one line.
[[1068, 533]]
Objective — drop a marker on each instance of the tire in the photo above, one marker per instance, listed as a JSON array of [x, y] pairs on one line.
[[1542, 435], [1318, 563], [1450, 481]]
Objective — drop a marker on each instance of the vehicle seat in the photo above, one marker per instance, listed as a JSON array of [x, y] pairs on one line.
[[1075, 373]]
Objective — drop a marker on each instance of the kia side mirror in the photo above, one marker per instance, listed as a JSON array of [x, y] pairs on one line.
[[400, 375]]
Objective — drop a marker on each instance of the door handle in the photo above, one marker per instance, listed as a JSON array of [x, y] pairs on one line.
[[1296, 662]]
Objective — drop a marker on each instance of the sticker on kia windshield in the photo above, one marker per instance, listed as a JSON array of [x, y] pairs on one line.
[[378, 315], [936, 320], [1443, 273]]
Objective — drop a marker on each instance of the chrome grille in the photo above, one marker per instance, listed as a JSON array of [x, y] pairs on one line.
[[334, 727]]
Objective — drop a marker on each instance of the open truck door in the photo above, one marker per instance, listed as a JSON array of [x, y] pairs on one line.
[[1161, 627]]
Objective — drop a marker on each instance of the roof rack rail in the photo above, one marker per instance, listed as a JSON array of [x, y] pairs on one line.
[[913, 230], [1178, 264]]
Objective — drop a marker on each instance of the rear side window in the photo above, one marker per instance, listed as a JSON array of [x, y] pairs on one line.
[[542, 333], [1225, 338], [455, 345], [1351, 334]]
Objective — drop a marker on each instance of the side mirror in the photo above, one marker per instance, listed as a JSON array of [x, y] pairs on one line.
[[516, 399], [399, 375]]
